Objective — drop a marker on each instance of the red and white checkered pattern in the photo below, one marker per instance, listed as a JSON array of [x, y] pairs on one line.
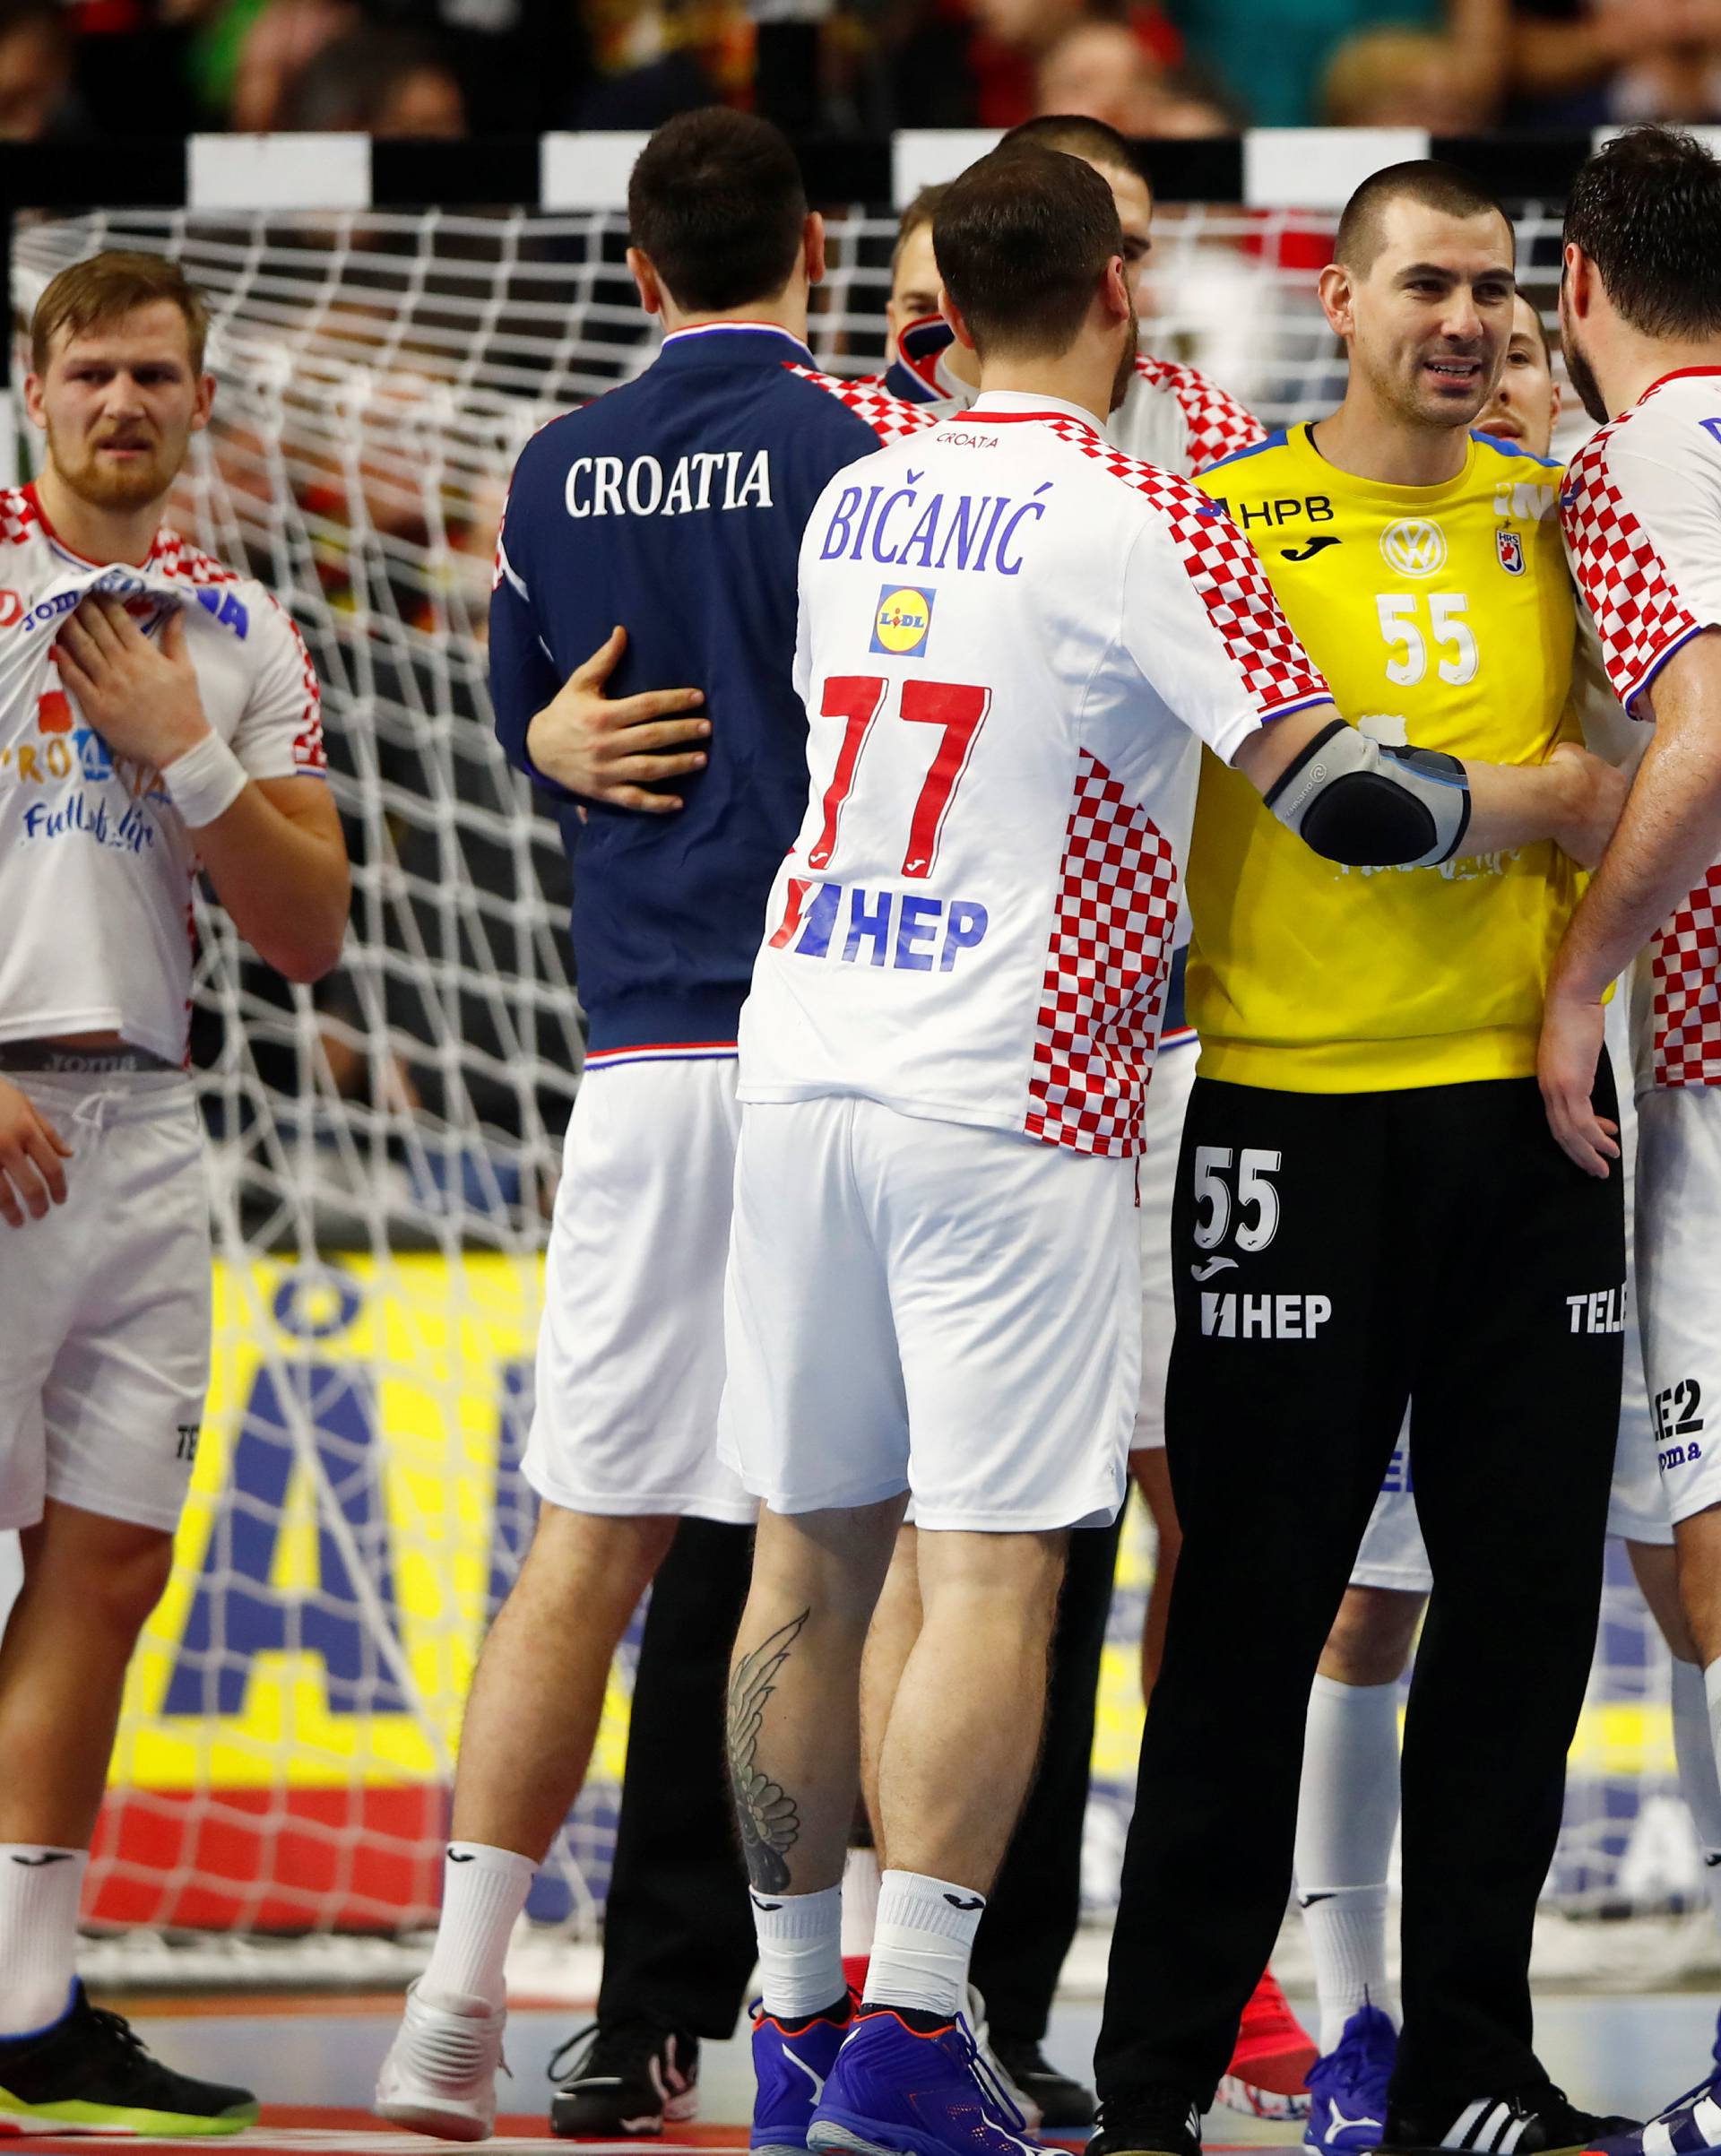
[[1225, 570], [177, 557], [310, 754], [19, 515], [1106, 969], [1637, 610], [1216, 424], [1686, 1003], [889, 418]]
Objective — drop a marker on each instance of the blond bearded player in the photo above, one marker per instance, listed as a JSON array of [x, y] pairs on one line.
[[157, 711]]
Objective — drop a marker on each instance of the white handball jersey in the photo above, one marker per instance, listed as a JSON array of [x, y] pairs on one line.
[[1012, 640], [1642, 512], [95, 865]]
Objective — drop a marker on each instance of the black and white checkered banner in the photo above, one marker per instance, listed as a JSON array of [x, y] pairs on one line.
[[1270, 167]]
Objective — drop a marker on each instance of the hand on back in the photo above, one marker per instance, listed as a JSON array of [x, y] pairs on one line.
[[616, 750]]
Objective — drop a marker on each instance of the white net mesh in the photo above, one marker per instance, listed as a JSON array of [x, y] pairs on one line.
[[284, 1759]]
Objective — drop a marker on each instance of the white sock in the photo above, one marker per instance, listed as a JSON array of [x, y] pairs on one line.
[[801, 1951], [859, 1902], [483, 1891], [1347, 1815], [1699, 1783], [40, 1887], [922, 1943]]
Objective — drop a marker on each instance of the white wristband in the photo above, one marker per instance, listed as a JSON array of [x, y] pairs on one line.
[[206, 781]]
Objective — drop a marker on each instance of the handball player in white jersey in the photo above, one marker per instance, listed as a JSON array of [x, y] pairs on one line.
[[157, 711], [1172, 415], [1640, 318], [1013, 640]]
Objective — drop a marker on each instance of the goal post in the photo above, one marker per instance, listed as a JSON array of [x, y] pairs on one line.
[[390, 321]]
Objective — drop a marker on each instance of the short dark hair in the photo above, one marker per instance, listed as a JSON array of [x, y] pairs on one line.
[[1646, 211], [717, 202], [1023, 239], [1427, 180], [1542, 336], [1079, 136], [921, 211]]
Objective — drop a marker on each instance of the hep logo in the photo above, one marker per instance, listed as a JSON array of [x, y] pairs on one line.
[[53, 713], [11, 609]]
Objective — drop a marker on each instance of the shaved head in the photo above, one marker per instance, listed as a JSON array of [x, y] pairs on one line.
[[1073, 132], [1426, 180]]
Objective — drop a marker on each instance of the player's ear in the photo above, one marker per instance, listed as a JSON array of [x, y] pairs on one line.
[[645, 281], [205, 404], [1576, 274], [34, 408], [1114, 289], [1336, 297], [812, 247]]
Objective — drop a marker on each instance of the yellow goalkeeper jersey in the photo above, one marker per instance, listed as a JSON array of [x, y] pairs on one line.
[[1441, 615]]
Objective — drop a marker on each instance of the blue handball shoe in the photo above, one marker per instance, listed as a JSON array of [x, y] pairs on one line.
[[1347, 2089], [895, 2092], [791, 2066]]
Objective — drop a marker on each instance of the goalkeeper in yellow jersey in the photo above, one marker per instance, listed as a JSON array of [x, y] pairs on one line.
[[1371, 1214]]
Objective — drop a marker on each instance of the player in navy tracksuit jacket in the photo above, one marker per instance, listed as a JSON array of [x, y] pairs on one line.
[[674, 506]]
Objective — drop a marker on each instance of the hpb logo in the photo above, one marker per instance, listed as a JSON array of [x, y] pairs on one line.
[[1415, 546], [903, 622]]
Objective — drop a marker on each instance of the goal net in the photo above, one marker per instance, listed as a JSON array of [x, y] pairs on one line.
[[386, 1146]]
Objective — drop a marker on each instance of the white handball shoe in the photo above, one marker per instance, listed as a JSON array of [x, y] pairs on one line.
[[974, 2007], [439, 2076]]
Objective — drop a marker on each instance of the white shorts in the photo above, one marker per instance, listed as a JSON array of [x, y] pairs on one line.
[[1393, 1553], [1679, 1275], [105, 1307], [1168, 1098], [1636, 1506], [630, 1348], [931, 1307]]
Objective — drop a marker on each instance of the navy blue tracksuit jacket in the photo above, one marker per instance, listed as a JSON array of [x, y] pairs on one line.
[[675, 506]]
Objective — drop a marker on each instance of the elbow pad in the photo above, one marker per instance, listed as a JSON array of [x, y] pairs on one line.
[[1371, 806]]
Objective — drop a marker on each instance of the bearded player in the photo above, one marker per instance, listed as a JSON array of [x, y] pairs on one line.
[[157, 711], [1640, 319]]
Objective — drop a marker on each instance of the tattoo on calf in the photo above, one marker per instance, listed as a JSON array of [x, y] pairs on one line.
[[766, 1813]]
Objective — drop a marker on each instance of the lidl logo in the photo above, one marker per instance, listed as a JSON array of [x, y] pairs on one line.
[[1415, 546], [903, 621]]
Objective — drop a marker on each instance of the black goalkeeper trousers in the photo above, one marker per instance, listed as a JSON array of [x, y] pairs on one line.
[[678, 1939], [1335, 1257]]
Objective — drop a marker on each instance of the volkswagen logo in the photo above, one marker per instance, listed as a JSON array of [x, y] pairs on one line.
[[1415, 546]]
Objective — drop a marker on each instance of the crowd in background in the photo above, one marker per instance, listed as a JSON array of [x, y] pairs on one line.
[[74, 69]]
